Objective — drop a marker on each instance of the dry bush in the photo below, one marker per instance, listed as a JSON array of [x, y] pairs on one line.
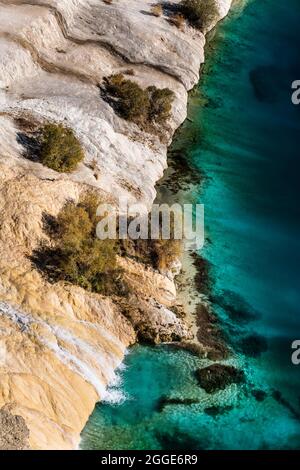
[[60, 150], [178, 20]]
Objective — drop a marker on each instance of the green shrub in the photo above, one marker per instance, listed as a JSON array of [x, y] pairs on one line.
[[85, 260], [90, 266], [201, 13], [135, 104], [78, 256], [74, 227], [60, 149], [132, 100]]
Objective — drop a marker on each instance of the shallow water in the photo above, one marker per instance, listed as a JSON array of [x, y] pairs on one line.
[[242, 141]]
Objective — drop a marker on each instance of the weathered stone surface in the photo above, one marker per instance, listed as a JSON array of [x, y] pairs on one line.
[[13, 431], [60, 345], [152, 321], [53, 56]]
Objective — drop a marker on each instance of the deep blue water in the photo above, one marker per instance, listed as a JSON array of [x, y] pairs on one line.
[[243, 139]]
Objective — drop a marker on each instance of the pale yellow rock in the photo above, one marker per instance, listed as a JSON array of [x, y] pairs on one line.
[[148, 283], [59, 344]]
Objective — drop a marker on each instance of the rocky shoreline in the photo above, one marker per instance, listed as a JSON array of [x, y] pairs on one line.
[[60, 344]]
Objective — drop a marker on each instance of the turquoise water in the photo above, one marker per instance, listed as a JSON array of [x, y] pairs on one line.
[[243, 141]]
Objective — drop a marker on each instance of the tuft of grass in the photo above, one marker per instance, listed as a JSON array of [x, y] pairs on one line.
[[178, 20], [157, 10], [60, 150]]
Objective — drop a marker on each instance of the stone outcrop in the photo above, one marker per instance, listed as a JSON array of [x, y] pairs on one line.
[[59, 344]]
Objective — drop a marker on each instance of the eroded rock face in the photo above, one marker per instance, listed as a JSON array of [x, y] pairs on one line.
[[54, 54], [60, 345], [153, 322], [13, 431]]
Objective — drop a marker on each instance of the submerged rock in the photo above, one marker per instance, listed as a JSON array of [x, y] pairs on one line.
[[237, 308], [166, 401], [253, 345], [218, 376], [259, 395], [217, 410], [178, 440], [277, 396], [210, 336]]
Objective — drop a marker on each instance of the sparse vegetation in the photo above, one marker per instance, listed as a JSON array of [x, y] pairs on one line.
[[178, 20], [131, 101], [157, 10], [167, 251], [60, 150], [200, 13], [77, 255], [142, 106], [130, 72]]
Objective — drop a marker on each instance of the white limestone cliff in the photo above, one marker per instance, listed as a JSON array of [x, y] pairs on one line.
[[60, 345]]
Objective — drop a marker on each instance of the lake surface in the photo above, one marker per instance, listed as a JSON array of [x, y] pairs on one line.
[[242, 141]]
